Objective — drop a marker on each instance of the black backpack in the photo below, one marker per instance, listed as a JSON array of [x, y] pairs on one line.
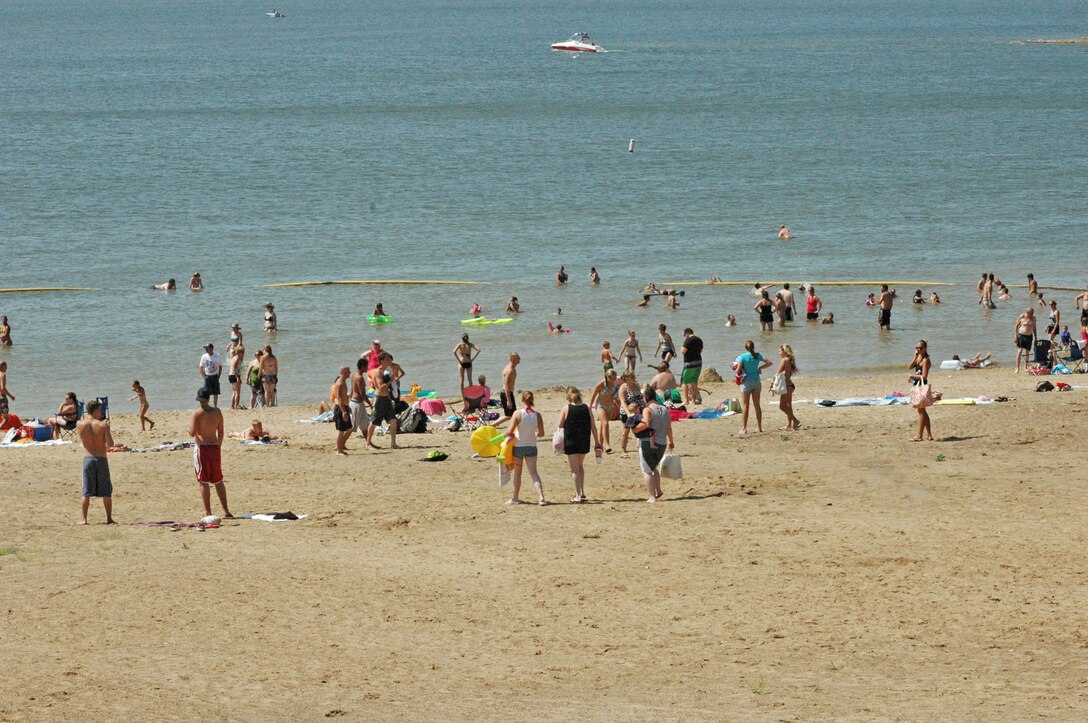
[[412, 421]]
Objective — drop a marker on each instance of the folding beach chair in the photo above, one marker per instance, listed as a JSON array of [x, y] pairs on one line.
[[476, 398], [1043, 352], [1073, 357], [69, 430]]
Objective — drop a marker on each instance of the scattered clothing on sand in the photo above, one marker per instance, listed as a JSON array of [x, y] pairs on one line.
[[263, 442], [272, 516], [175, 525]]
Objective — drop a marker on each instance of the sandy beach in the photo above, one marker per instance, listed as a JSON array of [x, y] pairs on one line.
[[835, 572]]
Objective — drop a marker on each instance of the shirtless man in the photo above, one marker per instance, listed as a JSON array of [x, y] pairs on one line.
[[1024, 336], [509, 379], [270, 375], [1033, 290], [784, 233], [664, 381], [886, 300], [341, 412], [381, 381], [5, 393], [206, 429], [561, 276], [1081, 301], [94, 433], [789, 304], [5, 331], [359, 402], [196, 283]]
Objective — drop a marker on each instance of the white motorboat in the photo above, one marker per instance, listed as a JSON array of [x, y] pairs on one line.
[[578, 43], [273, 13]]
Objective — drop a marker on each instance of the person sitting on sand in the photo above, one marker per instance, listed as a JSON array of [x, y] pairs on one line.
[[829, 319], [256, 433], [170, 285], [974, 362], [664, 381]]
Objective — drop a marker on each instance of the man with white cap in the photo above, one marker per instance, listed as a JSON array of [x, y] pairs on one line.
[[211, 365]]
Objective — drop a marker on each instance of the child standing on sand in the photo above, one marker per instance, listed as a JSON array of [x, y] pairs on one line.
[[142, 396]]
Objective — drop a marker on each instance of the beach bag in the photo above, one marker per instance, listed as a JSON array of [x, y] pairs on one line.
[[504, 475], [671, 467], [558, 441], [778, 384], [921, 396], [412, 421]]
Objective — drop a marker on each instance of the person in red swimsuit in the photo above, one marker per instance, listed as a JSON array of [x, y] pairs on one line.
[[206, 428]]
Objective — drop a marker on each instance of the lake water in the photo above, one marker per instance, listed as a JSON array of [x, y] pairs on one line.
[[444, 140]]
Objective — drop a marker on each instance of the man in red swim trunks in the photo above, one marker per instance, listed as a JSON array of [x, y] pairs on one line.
[[206, 428]]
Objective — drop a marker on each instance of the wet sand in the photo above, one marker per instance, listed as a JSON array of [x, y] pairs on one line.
[[835, 572]]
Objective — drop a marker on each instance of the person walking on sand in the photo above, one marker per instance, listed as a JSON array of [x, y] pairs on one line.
[[5, 331], [253, 379], [577, 424], [211, 367], [196, 283], [1024, 336], [234, 374], [630, 351], [630, 398], [509, 379], [525, 427], [382, 381], [270, 322], [813, 305], [748, 366], [651, 448], [270, 375], [784, 233], [665, 346], [95, 435], [692, 354], [765, 308], [787, 367], [206, 429], [885, 302], [608, 360], [920, 365], [5, 393], [465, 353], [341, 412], [359, 402], [605, 401], [139, 393]]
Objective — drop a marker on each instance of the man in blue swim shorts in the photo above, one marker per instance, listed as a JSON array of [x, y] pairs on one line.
[[95, 435]]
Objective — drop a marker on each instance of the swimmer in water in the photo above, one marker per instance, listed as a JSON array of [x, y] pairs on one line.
[[196, 283], [476, 309], [170, 285], [730, 320], [784, 233], [871, 301], [378, 311], [918, 298], [5, 331], [557, 329], [512, 306], [645, 301], [829, 319], [934, 299]]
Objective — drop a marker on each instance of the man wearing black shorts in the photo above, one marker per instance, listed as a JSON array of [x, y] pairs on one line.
[[886, 301], [381, 381], [341, 412], [506, 396]]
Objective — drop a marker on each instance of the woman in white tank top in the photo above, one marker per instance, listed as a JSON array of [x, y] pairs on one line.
[[525, 427]]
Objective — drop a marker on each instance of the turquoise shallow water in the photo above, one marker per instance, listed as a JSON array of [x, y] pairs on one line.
[[444, 140]]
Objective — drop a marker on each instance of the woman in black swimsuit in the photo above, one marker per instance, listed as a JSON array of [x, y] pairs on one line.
[[765, 307], [920, 364]]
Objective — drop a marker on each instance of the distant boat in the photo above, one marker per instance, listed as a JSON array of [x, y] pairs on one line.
[[274, 13], [578, 43]]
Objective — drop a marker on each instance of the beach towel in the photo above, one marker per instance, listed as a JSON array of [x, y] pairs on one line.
[[862, 401], [319, 419], [166, 447], [261, 442], [272, 516], [175, 525], [9, 441]]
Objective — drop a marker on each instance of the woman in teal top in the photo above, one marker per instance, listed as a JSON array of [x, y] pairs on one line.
[[749, 365]]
